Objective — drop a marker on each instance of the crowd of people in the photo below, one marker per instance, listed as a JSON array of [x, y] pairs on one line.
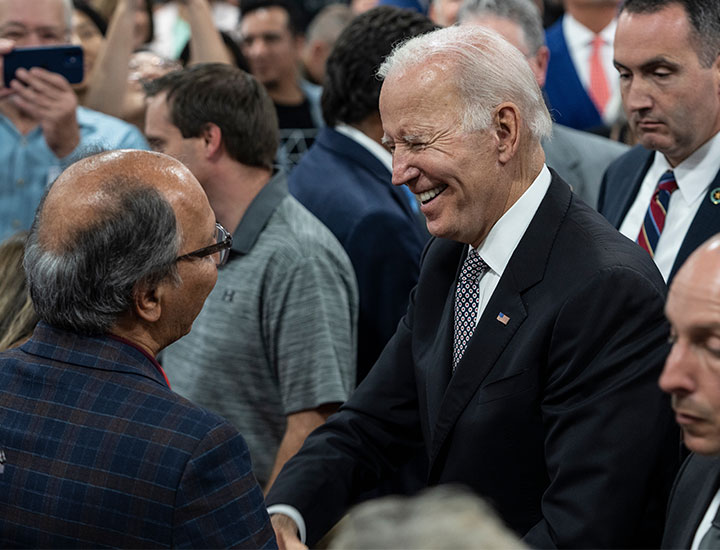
[[455, 261]]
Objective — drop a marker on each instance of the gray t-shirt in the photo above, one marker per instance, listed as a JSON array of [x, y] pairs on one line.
[[278, 333]]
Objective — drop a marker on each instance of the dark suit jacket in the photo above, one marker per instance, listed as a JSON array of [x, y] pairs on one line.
[[695, 486], [100, 452], [569, 101], [621, 184], [555, 417], [349, 190]]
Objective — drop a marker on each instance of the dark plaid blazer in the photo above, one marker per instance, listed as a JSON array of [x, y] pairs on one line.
[[99, 452]]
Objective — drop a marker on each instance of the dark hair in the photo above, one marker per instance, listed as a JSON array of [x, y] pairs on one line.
[[92, 14], [151, 24], [229, 98], [704, 18], [351, 88], [297, 22], [89, 282]]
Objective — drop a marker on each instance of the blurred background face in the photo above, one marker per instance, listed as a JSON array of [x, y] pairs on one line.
[[33, 22], [268, 45], [86, 34], [141, 33]]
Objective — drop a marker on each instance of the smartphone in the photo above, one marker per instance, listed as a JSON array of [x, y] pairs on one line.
[[64, 60]]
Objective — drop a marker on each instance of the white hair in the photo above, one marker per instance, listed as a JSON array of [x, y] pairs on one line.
[[488, 72]]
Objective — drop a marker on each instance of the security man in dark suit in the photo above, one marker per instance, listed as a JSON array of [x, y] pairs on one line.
[[665, 193], [527, 363]]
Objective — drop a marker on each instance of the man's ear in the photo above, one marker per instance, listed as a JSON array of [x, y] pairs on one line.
[[506, 124], [147, 301], [212, 138]]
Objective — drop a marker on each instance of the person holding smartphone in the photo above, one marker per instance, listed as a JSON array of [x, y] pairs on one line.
[[42, 128]]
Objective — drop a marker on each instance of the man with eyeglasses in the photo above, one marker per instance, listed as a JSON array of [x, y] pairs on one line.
[[274, 348], [96, 450], [42, 128]]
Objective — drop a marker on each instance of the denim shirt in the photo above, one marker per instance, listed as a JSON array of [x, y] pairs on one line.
[[28, 165]]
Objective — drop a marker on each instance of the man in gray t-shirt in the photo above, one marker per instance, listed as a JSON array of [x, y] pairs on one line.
[[274, 348]]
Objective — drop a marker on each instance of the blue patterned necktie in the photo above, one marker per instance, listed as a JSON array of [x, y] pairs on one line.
[[467, 298], [654, 221]]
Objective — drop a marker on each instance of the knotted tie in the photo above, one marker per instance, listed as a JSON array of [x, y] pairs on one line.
[[655, 216], [467, 297], [599, 87], [711, 538]]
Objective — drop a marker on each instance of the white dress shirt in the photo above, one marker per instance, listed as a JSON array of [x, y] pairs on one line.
[[373, 147], [579, 41], [500, 244], [706, 521], [693, 176]]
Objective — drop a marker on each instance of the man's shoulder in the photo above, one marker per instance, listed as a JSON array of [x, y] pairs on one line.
[[554, 35], [630, 160], [295, 235], [107, 131]]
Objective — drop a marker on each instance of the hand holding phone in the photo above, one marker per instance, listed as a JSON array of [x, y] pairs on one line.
[[64, 60]]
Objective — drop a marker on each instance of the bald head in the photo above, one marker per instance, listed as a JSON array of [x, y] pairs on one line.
[[91, 190], [111, 228], [692, 370]]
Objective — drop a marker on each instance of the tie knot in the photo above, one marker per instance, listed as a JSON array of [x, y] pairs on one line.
[[473, 267], [597, 42], [667, 182]]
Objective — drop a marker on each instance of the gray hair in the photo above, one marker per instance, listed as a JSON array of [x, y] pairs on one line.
[[444, 517], [90, 282], [523, 12], [488, 71], [704, 18]]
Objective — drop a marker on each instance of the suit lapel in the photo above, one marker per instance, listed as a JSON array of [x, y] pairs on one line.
[[703, 473], [627, 192], [705, 224], [491, 337]]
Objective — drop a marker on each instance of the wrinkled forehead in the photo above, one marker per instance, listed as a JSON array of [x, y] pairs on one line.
[[35, 13]]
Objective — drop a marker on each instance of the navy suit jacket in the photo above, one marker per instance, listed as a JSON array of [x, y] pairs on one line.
[[349, 190], [695, 486], [620, 185], [99, 452], [569, 101], [555, 417]]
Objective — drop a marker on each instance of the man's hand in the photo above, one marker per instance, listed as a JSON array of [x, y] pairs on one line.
[[286, 533], [5, 47], [48, 98]]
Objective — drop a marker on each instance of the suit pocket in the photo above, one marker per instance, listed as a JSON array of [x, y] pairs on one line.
[[506, 387]]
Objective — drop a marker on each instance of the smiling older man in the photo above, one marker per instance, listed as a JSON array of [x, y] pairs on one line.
[[527, 362]]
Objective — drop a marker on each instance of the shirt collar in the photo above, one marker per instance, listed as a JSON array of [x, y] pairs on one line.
[[695, 173], [143, 351], [578, 36], [259, 212], [499, 246], [373, 147]]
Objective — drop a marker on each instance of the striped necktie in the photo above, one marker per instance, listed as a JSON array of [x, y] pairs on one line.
[[655, 216], [467, 299]]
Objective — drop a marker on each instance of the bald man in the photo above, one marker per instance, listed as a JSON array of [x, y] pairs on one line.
[[95, 448], [692, 377]]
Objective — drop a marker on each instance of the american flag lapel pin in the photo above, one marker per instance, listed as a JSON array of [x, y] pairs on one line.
[[2, 461], [504, 319]]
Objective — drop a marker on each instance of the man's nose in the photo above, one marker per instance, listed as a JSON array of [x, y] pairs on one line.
[[403, 171], [677, 375]]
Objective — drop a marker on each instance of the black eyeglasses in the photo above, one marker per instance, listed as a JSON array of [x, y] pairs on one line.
[[221, 247]]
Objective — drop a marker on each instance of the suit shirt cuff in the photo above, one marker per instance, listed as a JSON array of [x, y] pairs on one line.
[[293, 514]]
